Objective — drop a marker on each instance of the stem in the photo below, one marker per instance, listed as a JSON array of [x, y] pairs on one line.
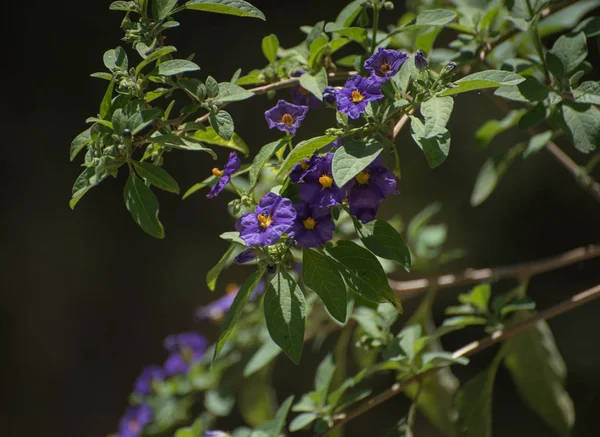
[[472, 349], [519, 271], [375, 25], [537, 41], [412, 412], [593, 163]]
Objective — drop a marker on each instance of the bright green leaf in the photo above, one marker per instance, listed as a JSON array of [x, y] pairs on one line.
[[571, 50], [352, 158], [80, 141], [230, 92], [588, 92], [143, 206], [484, 79], [270, 45], [315, 83], [530, 90], [231, 7], [209, 136], [304, 150], [176, 66], [214, 273], [436, 111], [262, 157], [157, 176]]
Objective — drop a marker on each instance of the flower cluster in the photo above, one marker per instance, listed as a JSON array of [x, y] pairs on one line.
[[186, 349]]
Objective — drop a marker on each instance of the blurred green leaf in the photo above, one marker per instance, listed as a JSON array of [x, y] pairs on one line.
[[219, 402], [491, 128], [274, 427], [214, 273], [491, 172], [209, 136], [262, 357]]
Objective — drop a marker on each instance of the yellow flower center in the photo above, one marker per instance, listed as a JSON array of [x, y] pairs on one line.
[[385, 68], [287, 119], [357, 96], [326, 181], [264, 221], [309, 224], [134, 426], [216, 172], [304, 165], [232, 288], [363, 178]]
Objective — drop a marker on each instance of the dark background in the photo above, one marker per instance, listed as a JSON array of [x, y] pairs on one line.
[[88, 298]]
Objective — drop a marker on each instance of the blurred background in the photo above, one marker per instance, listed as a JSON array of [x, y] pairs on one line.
[[88, 297]]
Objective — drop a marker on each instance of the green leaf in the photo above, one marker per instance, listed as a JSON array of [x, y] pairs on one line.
[[324, 375], [157, 176], [317, 49], [274, 428], [304, 150], [352, 158], [116, 60], [163, 51], [256, 399], [183, 143], [162, 8], [491, 128], [530, 90], [214, 273], [285, 313], [571, 50], [237, 307], [357, 34], [262, 157], [230, 92], [222, 123], [212, 86], [231, 7], [479, 296], [319, 274], [219, 402], [80, 141], [363, 273], [465, 321], [484, 79], [582, 123], [384, 241], [270, 45], [209, 136], [302, 421], [315, 84], [435, 17], [126, 6], [537, 143], [474, 403], [588, 92], [539, 373], [490, 174], [143, 206], [347, 16], [437, 112], [436, 148], [262, 357], [107, 100], [590, 27], [84, 182], [566, 18], [176, 66]]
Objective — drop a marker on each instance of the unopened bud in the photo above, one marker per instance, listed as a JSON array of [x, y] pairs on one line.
[[420, 60], [388, 6]]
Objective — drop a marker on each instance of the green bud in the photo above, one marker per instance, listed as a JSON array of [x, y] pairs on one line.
[[388, 6]]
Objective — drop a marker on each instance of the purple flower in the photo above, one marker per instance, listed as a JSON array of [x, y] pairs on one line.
[[368, 189], [216, 310], [420, 60], [329, 94], [318, 188], [301, 96], [186, 349], [224, 176], [285, 116], [313, 227], [245, 257], [216, 434], [299, 170], [135, 420], [144, 385], [357, 92], [273, 217], [384, 63]]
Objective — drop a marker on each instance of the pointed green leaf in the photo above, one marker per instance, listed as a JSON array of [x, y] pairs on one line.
[[214, 273], [237, 307], [304, 150], [384, 241], [437, 112], [80, 141], [436, 148], [176, 66], [571, 50], [319, 274], [222, 123], [491, 172], [155, 55], [582, 123], [157, 176], [484, 79], [274, 427], [315, 83], [262, 357], [230, 92], [231, 7], [143, 206], [537, 143], [262, 157], [270, 45], [209, 136], [352, 158], [162, 8]]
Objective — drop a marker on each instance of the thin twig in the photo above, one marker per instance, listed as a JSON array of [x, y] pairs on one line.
[[520, 271], [398, 127], [288, 83], [471, 349]]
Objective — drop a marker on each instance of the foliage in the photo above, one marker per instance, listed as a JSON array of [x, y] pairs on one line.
[[306, 212]]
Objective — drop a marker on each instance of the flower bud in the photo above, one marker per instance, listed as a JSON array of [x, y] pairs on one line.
[[420, 60], [449, 68], [388, 6]]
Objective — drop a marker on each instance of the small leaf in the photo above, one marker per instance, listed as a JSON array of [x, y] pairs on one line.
[[274, 428], [262, 357], [162, 8], [571, 50], [176, 66], [302, 421], [588, 92], [285, 313], [437, 112], [143, 206], [230, 92], [582, 124], [116, 60], [539, 372], [231, 7], [315, 83], [324, 375], [537, 143], [304, 150], [319, 274], [157, 176], [209, 136], [183, 143], [219, 402], [352, 158], [484, 79], [270, 45], [214, 273], [212, 86], [384, 241], [347, 16], [479, 296], [80, 141], [363, 273], [234, 313], [106, 100], [490, 174], [436, 148], [262, 157], [222, 123], [530, 90], [491, 128]]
